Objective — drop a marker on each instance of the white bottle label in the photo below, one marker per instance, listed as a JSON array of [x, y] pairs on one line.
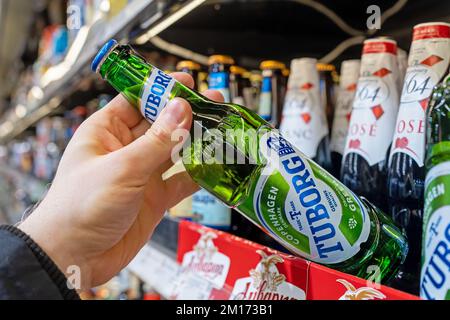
[[428, 61], [342, 118], [375, 105], [304, 122], [155, 94]]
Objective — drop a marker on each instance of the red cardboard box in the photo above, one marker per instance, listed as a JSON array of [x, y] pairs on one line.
[[244, 270], [241, 269]]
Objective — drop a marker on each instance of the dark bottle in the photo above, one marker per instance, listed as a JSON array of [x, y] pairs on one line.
[[207, 208], [327, 74], [304, 122], [248, 90], [240, 225], [344, 100], [253, 93], [272, 93], [192, 68], [428, 62], [364, 166], [237, 84]]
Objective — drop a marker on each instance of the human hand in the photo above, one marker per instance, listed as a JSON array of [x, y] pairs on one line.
[[108, 194]]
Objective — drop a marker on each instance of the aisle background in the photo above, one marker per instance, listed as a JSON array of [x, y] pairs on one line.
[[47, 88]]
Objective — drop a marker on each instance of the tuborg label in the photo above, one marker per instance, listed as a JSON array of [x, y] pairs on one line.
[[435, 273], [375, 104], [155, 94], [429, 59], [307, 209]]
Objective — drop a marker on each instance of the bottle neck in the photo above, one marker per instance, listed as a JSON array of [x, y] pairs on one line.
[[438, 131], [126, 71]]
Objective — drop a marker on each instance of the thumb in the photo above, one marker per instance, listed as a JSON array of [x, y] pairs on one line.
[[153, 148]]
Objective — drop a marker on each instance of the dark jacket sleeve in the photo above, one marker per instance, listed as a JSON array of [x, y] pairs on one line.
[[26, 272]]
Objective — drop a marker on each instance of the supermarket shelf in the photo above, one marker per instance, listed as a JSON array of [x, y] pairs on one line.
[[17, 174], [157, 265], [33, 188], [139, 17]]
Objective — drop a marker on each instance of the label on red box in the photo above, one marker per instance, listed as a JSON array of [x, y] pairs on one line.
[[328, 284], [255, 272], [206, 260], [266, 282], [245, 270]]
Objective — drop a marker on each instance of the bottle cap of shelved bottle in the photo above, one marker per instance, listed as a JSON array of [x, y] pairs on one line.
[[188, 64], [237, 70], [325, 67], [272, 64], [220, 58], [104, 51]]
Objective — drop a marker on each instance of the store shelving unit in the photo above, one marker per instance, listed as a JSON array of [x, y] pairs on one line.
[[137, 18], [237, 28]]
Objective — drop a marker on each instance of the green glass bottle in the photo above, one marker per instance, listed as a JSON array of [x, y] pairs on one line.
[[435, 273], [268, 180]]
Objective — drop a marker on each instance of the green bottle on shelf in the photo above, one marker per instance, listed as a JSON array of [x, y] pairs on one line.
[[265, 178], [435, 272]]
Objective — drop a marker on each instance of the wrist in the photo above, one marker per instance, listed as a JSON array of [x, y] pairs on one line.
[[58, 244]]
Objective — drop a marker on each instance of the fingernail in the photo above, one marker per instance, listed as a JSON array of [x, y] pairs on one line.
[[174, 112]]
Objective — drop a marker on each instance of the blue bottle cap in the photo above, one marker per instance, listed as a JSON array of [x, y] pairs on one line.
[[111, 44]]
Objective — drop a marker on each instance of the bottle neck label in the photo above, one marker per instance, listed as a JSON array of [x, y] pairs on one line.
[[341, 119], [375, 108], [220, 81], [429, 59], [304, 122], [155, 94], [265, 99], [305, 208], [435, 273]]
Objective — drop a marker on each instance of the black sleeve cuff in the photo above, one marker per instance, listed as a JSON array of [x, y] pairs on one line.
[[53, 272]]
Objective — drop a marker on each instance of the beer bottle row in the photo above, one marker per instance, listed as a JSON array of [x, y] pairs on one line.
[[369, 131]]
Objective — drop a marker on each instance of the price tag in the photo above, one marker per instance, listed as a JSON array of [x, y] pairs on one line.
[[157, 269], [191, 286]]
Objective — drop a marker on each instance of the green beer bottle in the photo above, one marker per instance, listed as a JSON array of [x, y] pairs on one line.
[[268, 180], [435, 273]]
